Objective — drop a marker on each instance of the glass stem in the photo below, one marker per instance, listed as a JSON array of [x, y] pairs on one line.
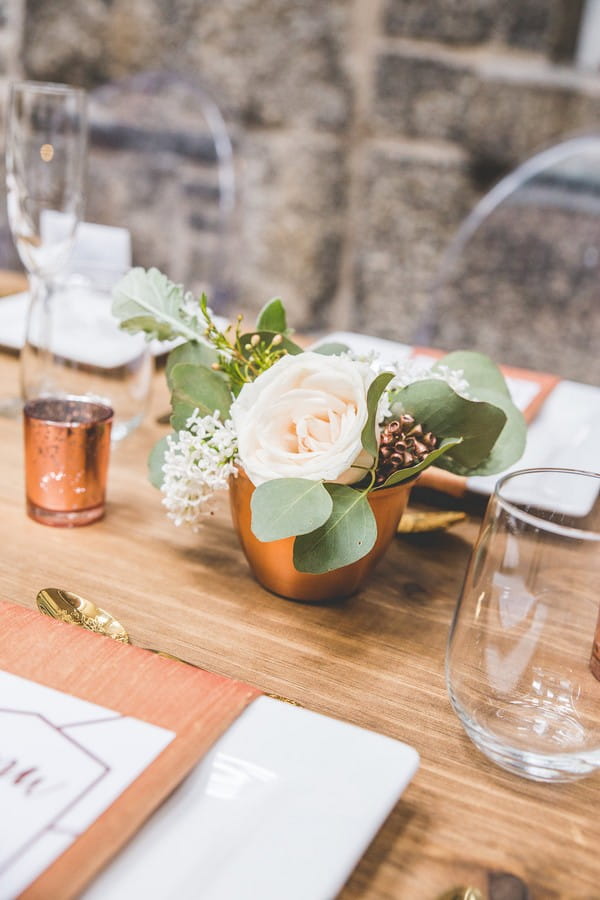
[[36, 355]]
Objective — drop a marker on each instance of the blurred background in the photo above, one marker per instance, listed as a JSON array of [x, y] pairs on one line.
[[363, 131]]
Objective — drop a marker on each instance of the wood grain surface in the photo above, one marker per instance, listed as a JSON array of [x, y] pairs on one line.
[[376, 660]]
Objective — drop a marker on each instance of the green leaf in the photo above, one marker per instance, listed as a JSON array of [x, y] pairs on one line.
[[272, 317], [156, 458], [145, 300], [331, 348], [411, 471], [162, 331], [376, 389], [448, 415], [266, 337], [510, 446], [193, 353], [478, 369], [347, 535], [285, 507], [197, 387]]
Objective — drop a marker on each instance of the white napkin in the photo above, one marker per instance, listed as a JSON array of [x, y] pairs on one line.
[[96, 247], [101, 255]]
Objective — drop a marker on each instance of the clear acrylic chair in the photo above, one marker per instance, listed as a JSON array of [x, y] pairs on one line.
[[520, 281], [161, 164]]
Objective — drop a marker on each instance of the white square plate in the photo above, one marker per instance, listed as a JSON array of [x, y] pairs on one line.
[[283, 806]]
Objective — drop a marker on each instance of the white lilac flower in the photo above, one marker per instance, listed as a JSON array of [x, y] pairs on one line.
[[408, 371], [198, 461]]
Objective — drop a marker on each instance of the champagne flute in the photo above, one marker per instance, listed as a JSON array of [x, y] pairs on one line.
[[45, 156]]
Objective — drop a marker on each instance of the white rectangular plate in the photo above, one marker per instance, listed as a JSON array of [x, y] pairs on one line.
[[283, 806]]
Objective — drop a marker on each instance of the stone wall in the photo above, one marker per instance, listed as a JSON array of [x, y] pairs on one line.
[[364, 131]]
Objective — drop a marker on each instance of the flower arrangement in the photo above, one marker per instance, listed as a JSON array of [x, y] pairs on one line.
[[316, 431]]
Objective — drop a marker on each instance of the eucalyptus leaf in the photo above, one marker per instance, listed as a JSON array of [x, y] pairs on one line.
[[411, 471], [285, 507], [156, 459], [197, 387], [331, 348], [272, 317], [347, 535], [193, 353], [448, 415], [376, 389], [146, 300], [478, 369], [510, 446]]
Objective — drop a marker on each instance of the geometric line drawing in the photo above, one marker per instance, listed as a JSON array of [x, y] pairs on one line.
[[54, 823]]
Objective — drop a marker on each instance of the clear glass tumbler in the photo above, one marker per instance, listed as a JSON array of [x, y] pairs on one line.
[[522, 667], [84, 352]]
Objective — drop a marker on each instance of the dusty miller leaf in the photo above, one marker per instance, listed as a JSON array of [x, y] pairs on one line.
[[146, 300]]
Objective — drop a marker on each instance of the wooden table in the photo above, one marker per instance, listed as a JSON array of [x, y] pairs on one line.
[[376, 660]]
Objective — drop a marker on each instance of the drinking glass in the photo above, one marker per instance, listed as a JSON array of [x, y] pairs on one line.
[[90, 355], [45, 156], [523, 667]]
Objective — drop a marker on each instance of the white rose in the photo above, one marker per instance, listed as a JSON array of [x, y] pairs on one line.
[[303, 418]]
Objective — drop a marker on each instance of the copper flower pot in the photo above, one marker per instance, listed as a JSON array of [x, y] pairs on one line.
[[272, 562]]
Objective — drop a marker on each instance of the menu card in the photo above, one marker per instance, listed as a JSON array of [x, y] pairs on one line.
[[94, 734], [62, 762]]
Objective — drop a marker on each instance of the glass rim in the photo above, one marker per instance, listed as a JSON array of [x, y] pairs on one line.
[[106, 411], [46, 87], [538, 521]]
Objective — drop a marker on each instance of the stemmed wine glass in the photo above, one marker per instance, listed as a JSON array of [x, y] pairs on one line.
[[45, 157]]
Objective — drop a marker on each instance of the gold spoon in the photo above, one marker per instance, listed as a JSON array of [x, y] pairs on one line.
[[70, 607], [76, 610], [414, 522], [461, 893]]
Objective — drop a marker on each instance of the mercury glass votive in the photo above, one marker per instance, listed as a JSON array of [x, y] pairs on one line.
[[67, 447]]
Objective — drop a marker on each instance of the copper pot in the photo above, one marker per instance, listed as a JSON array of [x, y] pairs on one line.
[[272, 562]]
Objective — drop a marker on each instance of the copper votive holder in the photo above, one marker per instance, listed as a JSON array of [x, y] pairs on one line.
[[67, 447]]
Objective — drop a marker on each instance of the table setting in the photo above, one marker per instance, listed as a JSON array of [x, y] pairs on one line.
[[329, 631]]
